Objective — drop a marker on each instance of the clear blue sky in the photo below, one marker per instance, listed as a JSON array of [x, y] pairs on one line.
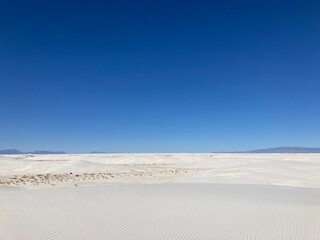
[[159, 76]]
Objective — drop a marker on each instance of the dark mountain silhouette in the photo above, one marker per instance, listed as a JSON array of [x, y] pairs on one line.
[[15, 151], [286, 150], [10, 151], [266, 150]]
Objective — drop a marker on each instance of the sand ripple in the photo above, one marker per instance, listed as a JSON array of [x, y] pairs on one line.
[[165, 211]]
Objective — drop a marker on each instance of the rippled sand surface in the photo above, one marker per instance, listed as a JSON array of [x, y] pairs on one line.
[[160, 196]]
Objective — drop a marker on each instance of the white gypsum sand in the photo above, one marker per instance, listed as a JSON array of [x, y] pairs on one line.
[[201, 196]]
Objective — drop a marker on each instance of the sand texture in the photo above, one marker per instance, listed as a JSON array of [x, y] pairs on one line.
[[160, 196]]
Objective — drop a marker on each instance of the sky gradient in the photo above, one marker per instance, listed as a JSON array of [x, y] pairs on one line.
[[159, 76]]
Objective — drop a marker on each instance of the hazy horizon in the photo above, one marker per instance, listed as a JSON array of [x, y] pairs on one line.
[[283, 149]]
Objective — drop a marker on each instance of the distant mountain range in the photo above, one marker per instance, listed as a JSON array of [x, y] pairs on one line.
[[286, 150], [266, 150], [15, 151]]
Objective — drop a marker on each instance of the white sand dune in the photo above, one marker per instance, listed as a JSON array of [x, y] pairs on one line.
[[201, 196], [301, 170], [163, 211]]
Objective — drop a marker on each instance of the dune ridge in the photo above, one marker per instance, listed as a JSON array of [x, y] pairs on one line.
[[299, 170]]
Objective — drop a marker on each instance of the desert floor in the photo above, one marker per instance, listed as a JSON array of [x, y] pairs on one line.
[[160, 196]]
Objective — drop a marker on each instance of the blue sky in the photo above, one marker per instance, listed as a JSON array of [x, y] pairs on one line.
[[159, 76]]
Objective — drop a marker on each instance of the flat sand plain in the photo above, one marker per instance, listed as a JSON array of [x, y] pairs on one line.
[[160, 196]]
